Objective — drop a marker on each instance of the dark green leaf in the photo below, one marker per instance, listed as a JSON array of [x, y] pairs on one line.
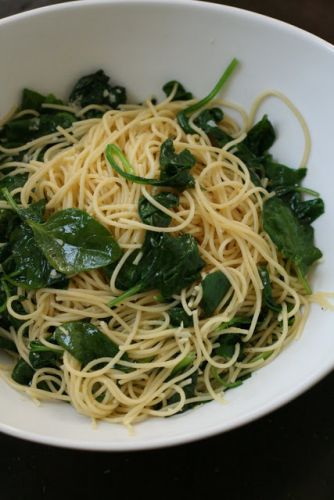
[[267, 293], [6, 320], [181, 93], [22, 372], [215, 286], [23, 130], [175, 166], [178, 315], [34, 212], [8, 221], [227, 343], [72, 241], [84, 341], [168, 264], [12, 182], [130, 273], [34, 100], [41, 356], [4, 295], [280, 176], [260, 137], [173, 263], [308, 211], [254, 164], [293, 239], [236, 322], [151, 215], [26, 265], [7, 344], [208, 121], [252, 151], [230, 385], [189, 391], [183, 365], [4, 251], [96, 89]]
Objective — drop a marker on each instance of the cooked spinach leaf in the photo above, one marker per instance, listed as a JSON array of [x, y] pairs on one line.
[[7, 344], [22, 372], [130, 273], [215, 286], [293, 239], [22, 130], [281, 177], [4, 250], [260, 137], [84, 341], [267, 293], [168, 264], [307, 211], [208, 121], [151, 215], [253, 150], [71, 240], [178, 315], [12, 182], [96, 89], [224, 381], [4, 295], [25, 264], [227, 343], [174, 168], [181, 93], [254, 164], [236, 322], [34, 211], [34, 100], [185, 363], [42, 356], [6, 319], [189, 391], [8, 221], [283, 180]]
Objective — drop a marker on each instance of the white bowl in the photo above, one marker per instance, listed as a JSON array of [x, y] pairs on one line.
[[142, 44]]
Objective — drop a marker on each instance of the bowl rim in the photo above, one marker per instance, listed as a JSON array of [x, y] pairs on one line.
[[312, 379], [200, 4]]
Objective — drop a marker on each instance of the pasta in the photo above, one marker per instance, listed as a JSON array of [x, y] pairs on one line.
[[160, 368]]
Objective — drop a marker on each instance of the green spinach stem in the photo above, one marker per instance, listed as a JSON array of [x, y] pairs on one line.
[[182, 116], [10, 200], [113, 151], [305, 190], [129, 293]]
